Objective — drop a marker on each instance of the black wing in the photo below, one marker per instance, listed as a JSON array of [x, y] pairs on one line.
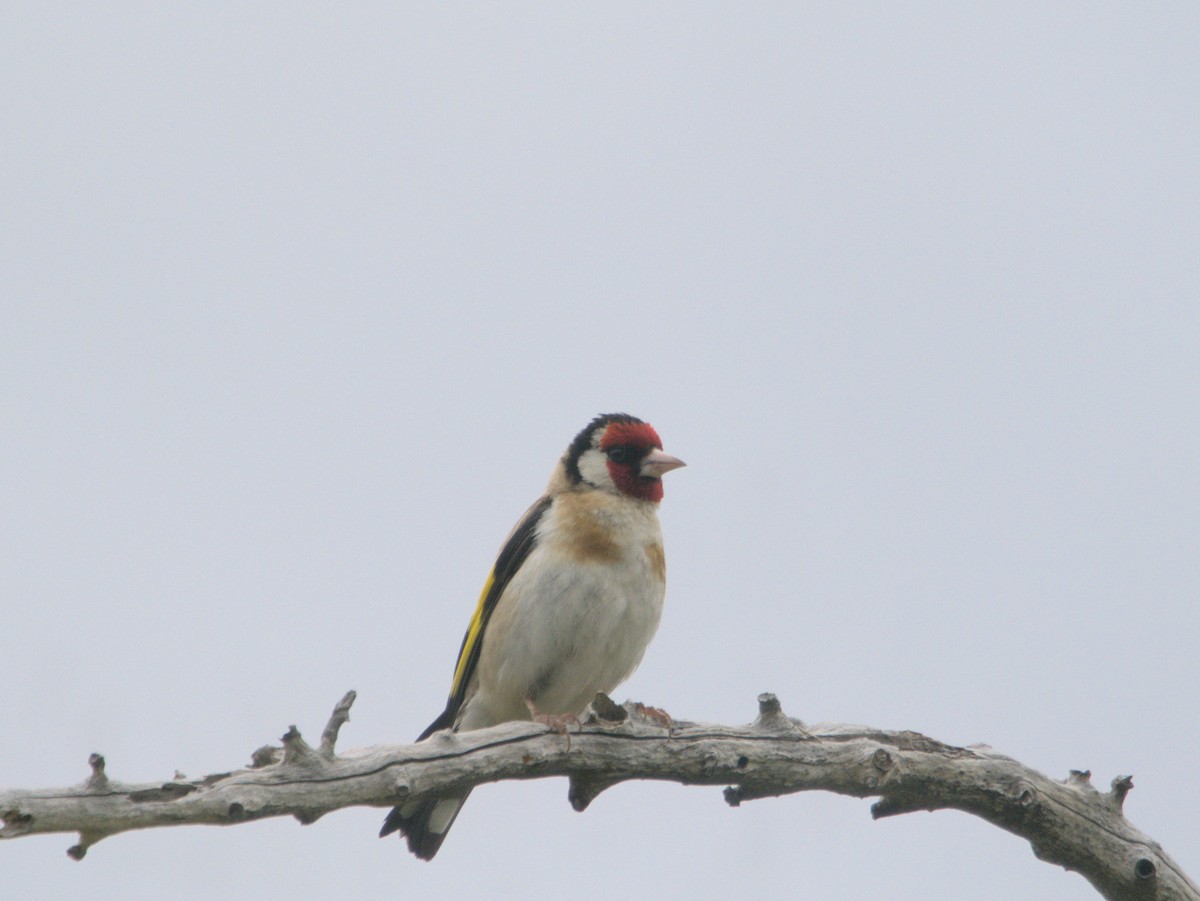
[[512, 555]]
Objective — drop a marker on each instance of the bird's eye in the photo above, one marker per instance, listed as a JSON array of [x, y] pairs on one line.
[[620, 454]]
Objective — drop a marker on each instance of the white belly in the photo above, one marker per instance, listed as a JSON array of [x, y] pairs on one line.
[[576, 627]]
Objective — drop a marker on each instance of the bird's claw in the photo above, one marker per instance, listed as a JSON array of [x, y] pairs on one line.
[[556, 722], [656, 715]]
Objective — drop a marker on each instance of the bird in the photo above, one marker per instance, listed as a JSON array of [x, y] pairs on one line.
[[569, 607]]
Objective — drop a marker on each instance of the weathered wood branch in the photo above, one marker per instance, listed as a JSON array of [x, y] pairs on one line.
[[1068, 823]]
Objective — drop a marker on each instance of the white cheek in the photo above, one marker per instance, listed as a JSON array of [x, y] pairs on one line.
[[593, 466]]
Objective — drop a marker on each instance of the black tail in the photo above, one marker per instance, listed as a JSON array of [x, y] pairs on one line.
[[426, 821]]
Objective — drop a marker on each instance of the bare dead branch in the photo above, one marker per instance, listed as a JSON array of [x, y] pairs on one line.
[[1068, 823]]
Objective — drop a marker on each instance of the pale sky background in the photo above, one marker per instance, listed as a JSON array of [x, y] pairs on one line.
[[300, 304]]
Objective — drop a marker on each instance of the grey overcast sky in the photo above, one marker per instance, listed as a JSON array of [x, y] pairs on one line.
[[301, 303]]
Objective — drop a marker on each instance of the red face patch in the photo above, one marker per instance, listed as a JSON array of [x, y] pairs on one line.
[[630, 483], [641, 437], [636, 434]]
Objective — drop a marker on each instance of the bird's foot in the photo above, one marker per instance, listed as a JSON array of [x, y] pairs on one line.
[[656, 715], [558, 722]]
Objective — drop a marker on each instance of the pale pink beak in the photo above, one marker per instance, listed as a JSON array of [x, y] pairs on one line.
[[656, 463]]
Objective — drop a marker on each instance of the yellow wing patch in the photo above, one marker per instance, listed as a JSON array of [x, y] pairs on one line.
[[473, 633], [516, 549]]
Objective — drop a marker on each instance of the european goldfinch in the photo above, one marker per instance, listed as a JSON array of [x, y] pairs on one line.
[[569, 607]]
